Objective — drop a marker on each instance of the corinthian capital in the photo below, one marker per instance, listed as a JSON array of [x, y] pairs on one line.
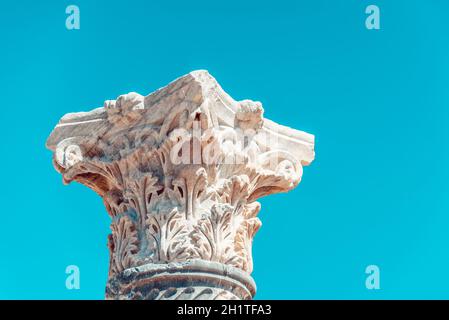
[[180, 171]]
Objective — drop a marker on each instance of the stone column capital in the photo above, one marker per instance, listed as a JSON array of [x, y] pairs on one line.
[[180, 171]]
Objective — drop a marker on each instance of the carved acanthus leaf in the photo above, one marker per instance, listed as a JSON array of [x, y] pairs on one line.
[[243, 242], [168, 233], [213, 235], [123, 244]]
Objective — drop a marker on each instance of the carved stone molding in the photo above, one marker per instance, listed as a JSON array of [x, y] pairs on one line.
[[180, 171]]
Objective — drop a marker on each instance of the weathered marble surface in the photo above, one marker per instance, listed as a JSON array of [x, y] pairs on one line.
[[180, 171]]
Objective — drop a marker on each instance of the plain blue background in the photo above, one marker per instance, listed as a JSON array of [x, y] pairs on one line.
[[377, 102]]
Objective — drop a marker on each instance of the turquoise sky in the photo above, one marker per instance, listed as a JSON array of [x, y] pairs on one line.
[[377, 101]]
